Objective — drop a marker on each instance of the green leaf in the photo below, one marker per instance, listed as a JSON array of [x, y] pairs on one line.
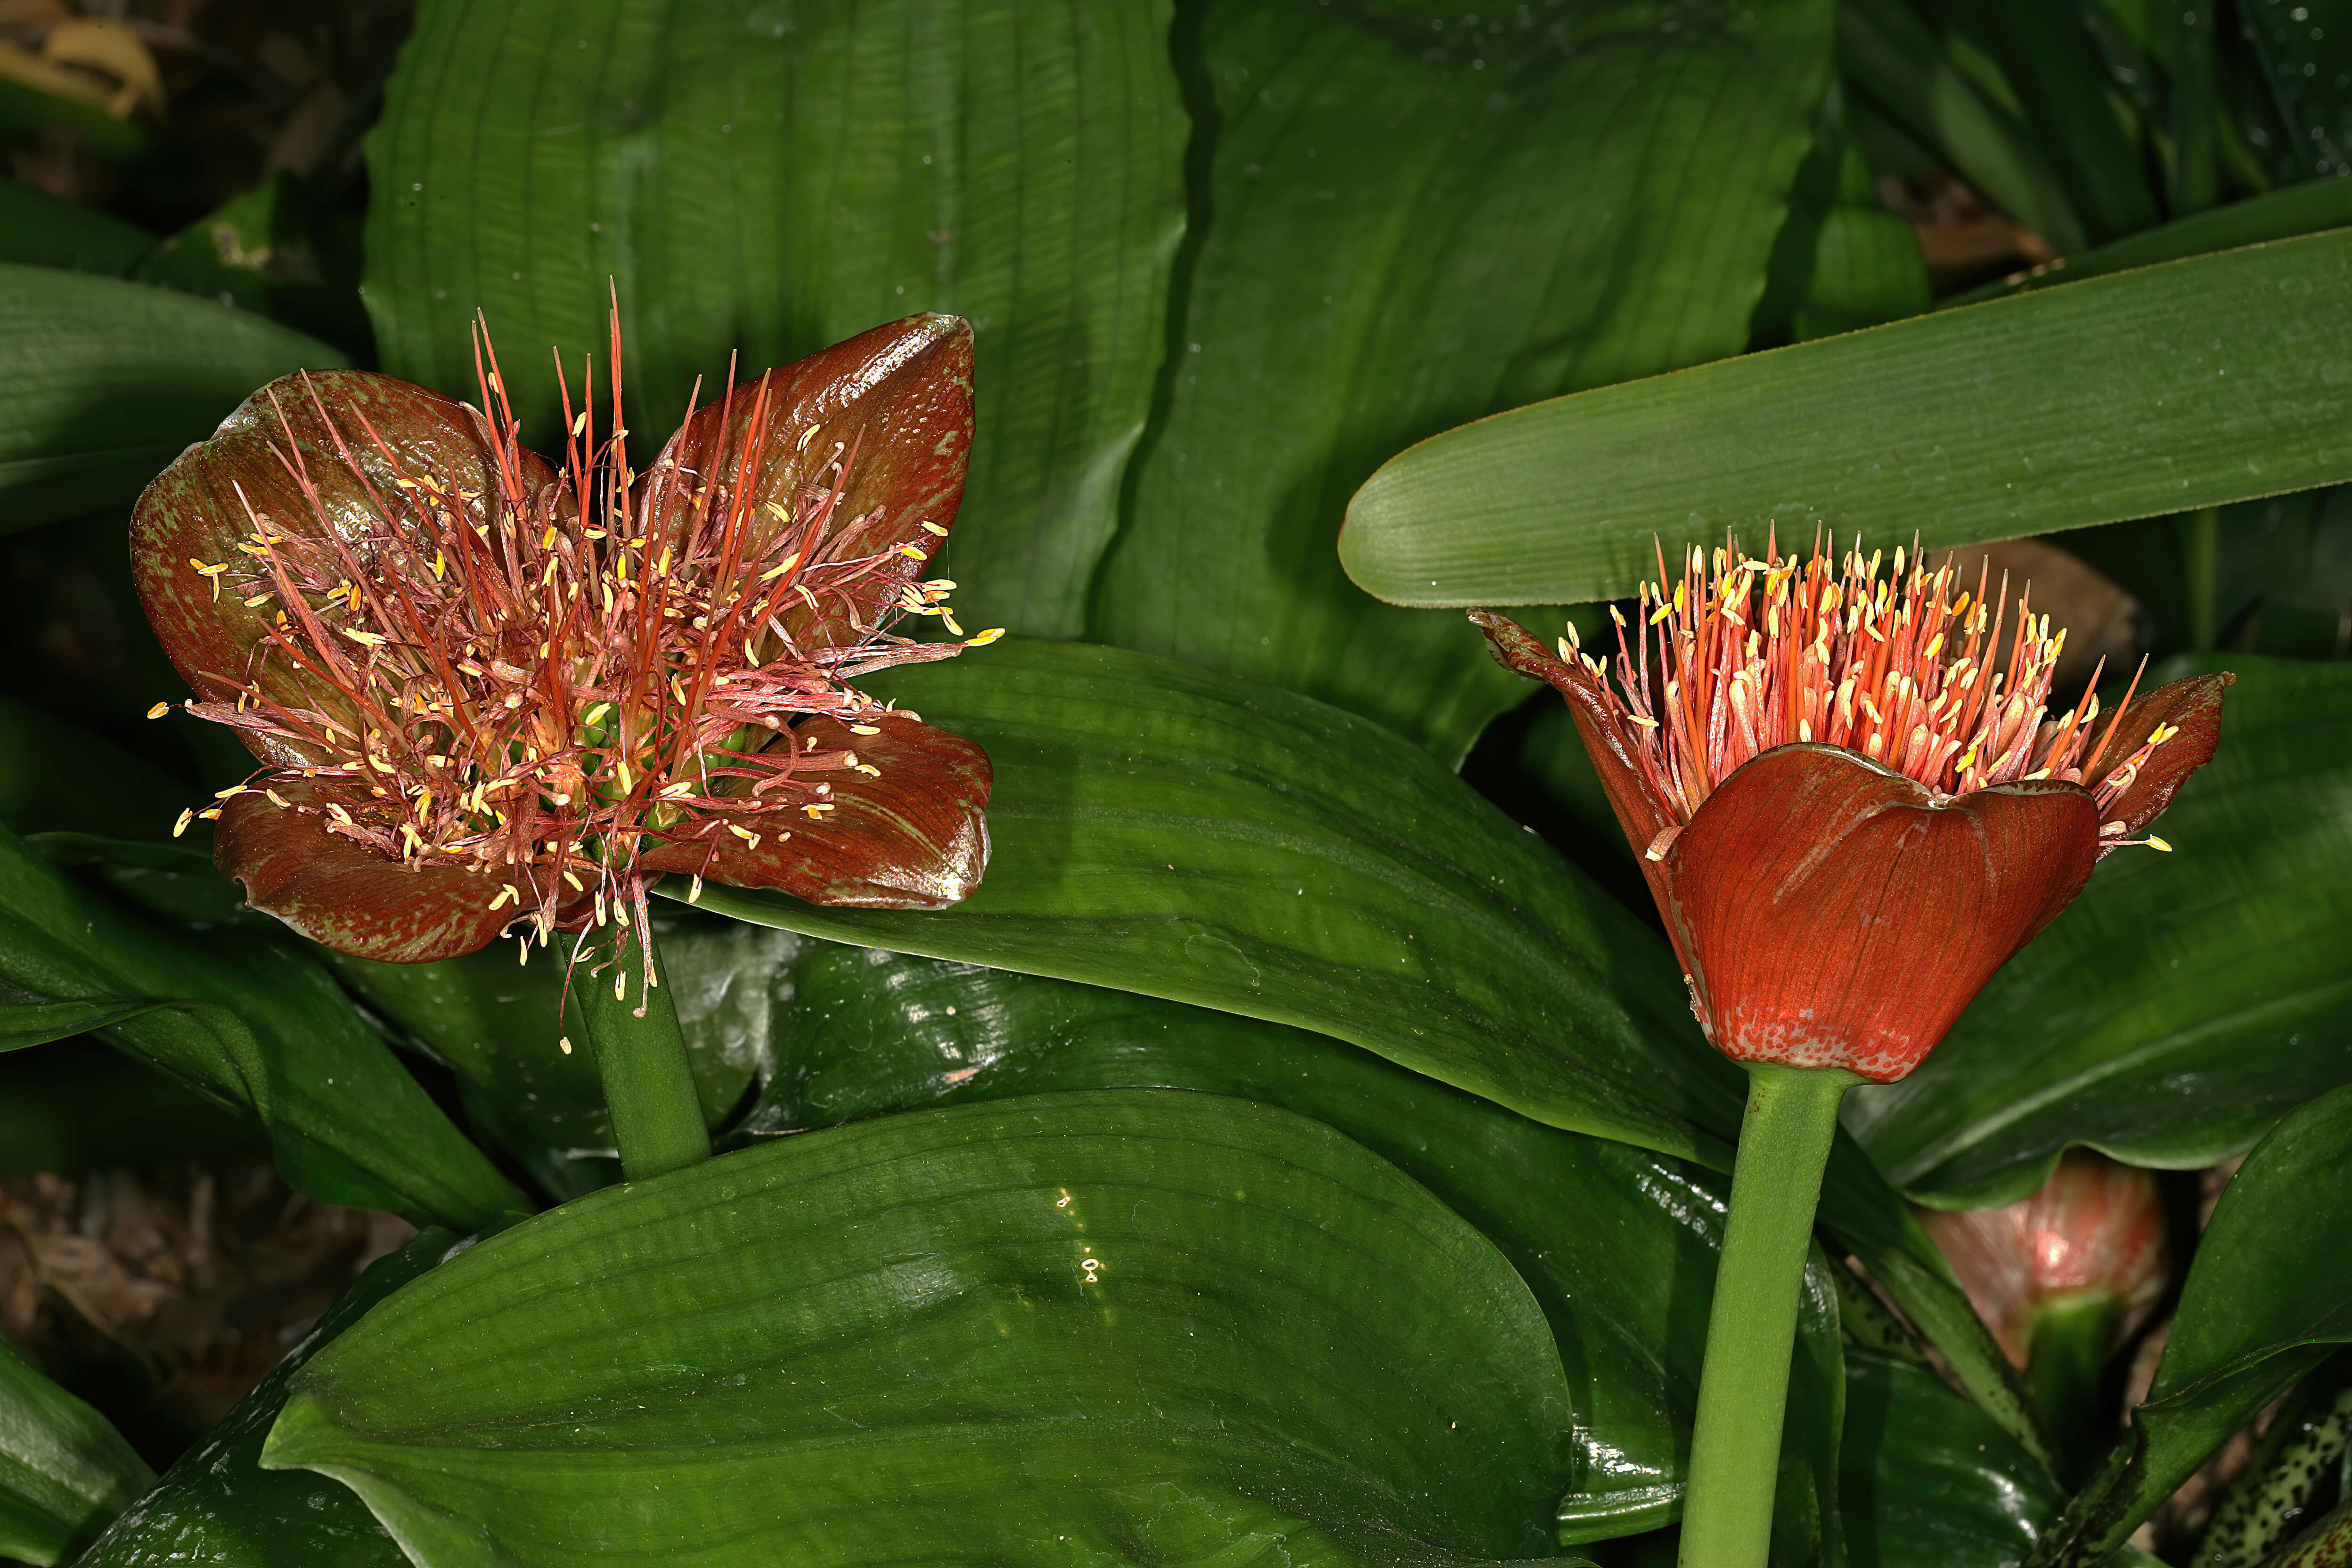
[[1418, 217], [2300, 209], [49, 231], [2189, 384], [1866, 263], [2186, 1000], [1619, 1245], [1928, 1480], [255, 1024], [2304, 61], [25, 111], [64, 1469], [776, 178], [216, 1508], [496, 1024], [2269, 1295], [103, 381], [1164, 830], [1115, 1324]]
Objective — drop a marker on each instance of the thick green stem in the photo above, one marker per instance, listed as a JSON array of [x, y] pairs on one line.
[[2065, 1367], [648, 1087], [1776, 1182]]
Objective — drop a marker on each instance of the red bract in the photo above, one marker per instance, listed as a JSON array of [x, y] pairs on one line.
[[486, 687], [2096, 1230], [1851, 807]]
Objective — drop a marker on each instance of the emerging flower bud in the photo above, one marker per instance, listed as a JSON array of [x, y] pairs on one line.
[[486, 688], [2094, 1233], [1847, 795]]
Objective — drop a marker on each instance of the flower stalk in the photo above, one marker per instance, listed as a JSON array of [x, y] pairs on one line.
[[632, 1033], [1784, 1147]]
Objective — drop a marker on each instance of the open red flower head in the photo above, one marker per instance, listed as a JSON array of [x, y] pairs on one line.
[[1847, 795], [487, 687], [2094, 1230]]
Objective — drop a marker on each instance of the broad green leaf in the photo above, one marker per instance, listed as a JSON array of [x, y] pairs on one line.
[[216, 1508], [2189, 384], [1866, 263], [64, 1469], [1418, 216], [54, 775], [1164, 830], [103, 381], [82, 1105], [2306, 208], [1167, 830], [1110, 1326], [2269, 1295], [2186, 1000], [495, 1023], [773, 178], [1618, 1245], [43, 230], [255, 1024], [26, 109], [1929, 1481]]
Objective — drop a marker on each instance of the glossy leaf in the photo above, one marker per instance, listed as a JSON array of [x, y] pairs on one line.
[[43, 230], [280, 250], [1183, 834], [1928, 1480], [102, 382], [1167, 831], [496, 1024], [64, 1469], [255, 1025], [2165, 389], [1416, 216], [1124, 1323], [2268, 1296], [216, 1508], [1617, 1244], [2185, 1001], [774, 180]]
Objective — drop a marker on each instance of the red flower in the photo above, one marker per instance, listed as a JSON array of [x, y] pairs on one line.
[[486, 687], [1850, 808], [2094, 1232]]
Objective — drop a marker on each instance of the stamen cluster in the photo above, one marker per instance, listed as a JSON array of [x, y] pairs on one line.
[[531, 681], [1753, 653]]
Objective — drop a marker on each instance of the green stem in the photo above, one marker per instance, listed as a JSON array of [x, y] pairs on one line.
[[2066, 1362], [648, 1085], [1776, 1182]]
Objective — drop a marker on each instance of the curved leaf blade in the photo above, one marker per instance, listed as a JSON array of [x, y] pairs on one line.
[[2186, 1000], [102, 382], [1116, 1323], [2268, 1296], [1618, 1245], [1417, 218], [1163, 829], [254, 1023], [775, 179], [64, 1469], [1928, 1480], [2217, 379]]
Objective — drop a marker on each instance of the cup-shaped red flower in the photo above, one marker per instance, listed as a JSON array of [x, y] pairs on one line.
[[1846, 792], [485, 687]]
